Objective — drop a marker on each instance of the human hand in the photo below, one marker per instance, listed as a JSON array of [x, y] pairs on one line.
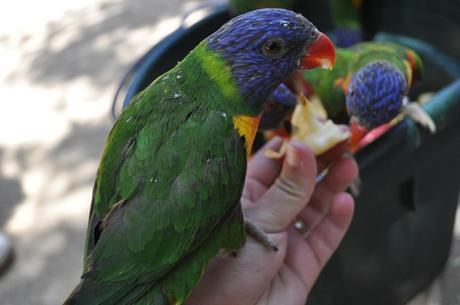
[[274, 196]]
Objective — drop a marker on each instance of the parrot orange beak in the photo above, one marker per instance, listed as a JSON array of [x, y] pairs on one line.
[[320, 54], [357, 133]]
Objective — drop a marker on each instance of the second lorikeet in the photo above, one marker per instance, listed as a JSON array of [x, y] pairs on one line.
[[332, 86], [396, 65], [167, 194], [376, 94]]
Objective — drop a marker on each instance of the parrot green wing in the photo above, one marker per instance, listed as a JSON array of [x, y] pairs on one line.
[[166, 197], [116, 151], [403, 58]]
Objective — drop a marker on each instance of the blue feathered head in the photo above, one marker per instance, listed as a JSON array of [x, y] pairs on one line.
[[376, 94], [264, 47]]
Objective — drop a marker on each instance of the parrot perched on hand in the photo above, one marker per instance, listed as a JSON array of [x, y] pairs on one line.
[[167, 194]]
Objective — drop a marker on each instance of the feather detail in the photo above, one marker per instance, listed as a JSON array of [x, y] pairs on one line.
[[246, 126]]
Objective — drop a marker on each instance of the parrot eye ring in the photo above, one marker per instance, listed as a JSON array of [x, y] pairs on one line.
[[274, 48]]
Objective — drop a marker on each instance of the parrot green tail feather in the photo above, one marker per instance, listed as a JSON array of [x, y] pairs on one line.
[[177, 282]]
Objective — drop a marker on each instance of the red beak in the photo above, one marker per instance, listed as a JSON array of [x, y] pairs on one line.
[[320, 54], [357, 133], [360, 138]]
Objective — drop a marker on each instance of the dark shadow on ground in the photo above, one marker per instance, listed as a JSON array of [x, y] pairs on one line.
[[83, 144], [10, 194], [56, 253]]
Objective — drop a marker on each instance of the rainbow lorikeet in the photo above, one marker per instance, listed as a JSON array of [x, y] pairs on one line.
[[167, 194], [332, 86], [379, 74]]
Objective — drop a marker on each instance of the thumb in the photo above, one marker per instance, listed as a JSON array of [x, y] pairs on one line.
[[289, 194]]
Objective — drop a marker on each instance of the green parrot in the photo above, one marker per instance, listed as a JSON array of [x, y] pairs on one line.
[[332, 86], [167, 194]]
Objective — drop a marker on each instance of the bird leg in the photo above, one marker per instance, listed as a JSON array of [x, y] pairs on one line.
[[259, 235], [415, 112]]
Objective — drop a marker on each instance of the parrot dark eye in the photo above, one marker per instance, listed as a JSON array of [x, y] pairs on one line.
[[274, 48]]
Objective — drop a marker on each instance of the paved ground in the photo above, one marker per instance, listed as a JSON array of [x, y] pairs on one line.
[[59, 69]]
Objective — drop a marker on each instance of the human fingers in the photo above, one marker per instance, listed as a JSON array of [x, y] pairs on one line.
[[340, 175], [291, 191], [308, 256]]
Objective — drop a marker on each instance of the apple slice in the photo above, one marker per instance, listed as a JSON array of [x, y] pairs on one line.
[[310, 126]]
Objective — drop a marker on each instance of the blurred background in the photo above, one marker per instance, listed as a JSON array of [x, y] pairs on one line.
[[61, 62]]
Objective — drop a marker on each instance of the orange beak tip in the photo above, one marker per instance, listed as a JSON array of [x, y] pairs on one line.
[[357, 133]]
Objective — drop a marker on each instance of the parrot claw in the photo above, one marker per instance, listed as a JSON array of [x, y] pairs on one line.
[[253, 230], [415, 112]]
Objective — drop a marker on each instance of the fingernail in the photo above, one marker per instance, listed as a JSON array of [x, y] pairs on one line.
[[292, 157]]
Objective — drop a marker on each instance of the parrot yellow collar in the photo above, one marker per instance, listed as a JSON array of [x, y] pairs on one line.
[[246, 126]]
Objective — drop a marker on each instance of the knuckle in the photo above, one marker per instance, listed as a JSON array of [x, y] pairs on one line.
[[290, 188]]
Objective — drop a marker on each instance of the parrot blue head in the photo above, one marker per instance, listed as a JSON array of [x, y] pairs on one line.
[[376, 94], [264, 47], [279, 104]]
